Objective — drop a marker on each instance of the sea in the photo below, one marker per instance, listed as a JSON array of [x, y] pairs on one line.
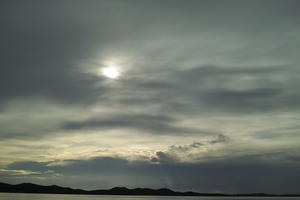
[[22, 196]]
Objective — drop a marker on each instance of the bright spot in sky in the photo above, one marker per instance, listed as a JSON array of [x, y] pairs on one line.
[[110, 72]]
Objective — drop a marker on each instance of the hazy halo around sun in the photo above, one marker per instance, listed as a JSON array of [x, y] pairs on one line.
[[110, 72]]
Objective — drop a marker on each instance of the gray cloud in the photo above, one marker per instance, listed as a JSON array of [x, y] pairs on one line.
[[149, 123], [241, 90], [220, 139], [41, 51], [192, 152], [188, 71], [48, 46], [230, 175], [29, 165], [282, 132]]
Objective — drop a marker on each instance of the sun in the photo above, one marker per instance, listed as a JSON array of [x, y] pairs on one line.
[[110, 72]]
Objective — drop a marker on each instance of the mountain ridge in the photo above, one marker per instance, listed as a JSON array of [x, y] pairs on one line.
[[55, 189]]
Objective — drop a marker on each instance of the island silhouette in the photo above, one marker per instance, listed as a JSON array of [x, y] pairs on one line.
[[54, 189]]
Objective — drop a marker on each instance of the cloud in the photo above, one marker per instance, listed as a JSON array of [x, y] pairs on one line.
[[194, 152], [148, 123], [34, 118], [33, 166], [220, 139], [203, 85], [42, 54], [219, 90], [225, 175]]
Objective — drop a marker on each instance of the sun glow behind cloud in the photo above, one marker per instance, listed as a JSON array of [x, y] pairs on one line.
[[110, 72]]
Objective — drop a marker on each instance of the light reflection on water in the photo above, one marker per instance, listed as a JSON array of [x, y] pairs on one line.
[[21, 196]]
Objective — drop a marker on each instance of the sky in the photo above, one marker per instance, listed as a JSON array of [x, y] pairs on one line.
[[198, 95]]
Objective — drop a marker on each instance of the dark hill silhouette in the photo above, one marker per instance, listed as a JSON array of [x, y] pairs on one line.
[[54, 189]]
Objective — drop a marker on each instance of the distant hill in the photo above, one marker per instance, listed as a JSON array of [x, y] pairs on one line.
[[54, 189]]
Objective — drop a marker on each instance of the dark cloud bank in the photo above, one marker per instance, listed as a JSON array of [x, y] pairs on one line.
[[240, 174]]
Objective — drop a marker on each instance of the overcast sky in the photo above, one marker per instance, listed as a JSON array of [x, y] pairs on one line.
[[207, 94]]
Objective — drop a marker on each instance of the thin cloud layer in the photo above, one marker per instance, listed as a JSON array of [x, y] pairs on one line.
[[147, 123]]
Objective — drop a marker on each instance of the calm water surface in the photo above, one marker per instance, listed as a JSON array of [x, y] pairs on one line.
[[12, 196]]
